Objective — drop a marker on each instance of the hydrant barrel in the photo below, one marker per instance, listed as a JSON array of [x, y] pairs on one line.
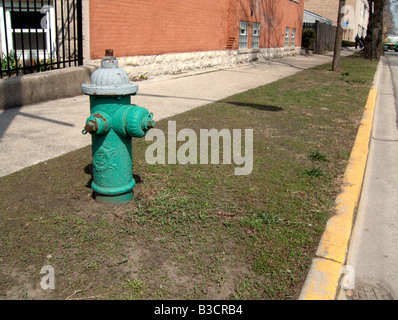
[[112, 124]]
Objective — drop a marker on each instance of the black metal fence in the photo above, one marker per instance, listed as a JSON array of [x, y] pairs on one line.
[[40, 35]]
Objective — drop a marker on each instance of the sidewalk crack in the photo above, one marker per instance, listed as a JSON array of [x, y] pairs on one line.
[[329, 259], [385, 140]]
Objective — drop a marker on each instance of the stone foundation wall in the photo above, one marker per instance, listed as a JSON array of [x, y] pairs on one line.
[[176, 63]]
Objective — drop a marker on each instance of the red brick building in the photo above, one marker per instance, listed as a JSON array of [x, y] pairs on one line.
[[153, 27]]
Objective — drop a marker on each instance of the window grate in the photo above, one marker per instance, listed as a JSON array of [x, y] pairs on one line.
[[287, 35], [243, 34], [256, 35], [293, 38]]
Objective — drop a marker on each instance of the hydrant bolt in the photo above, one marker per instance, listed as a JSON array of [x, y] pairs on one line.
[[108, 53]]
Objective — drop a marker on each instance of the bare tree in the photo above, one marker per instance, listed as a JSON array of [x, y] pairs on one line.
[[339, 38], [374, 36], [389, 24]]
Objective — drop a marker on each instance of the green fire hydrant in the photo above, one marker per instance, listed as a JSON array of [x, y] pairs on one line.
[[112, 124]]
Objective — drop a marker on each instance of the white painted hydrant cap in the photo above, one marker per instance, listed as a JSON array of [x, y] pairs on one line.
[[110, 80]]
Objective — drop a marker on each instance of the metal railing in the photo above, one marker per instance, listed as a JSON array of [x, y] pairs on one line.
[[40, 35]]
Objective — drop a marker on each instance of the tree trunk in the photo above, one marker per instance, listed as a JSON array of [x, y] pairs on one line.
[[338, 40], [374, 34]]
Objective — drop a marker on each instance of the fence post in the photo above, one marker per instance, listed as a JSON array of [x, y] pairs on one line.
[[79, 32], [318, 37]]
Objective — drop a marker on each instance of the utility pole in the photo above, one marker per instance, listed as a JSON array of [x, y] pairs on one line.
[[339, 38]]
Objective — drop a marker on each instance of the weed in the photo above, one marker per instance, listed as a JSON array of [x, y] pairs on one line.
[[314, 172], [12, 61], [317, 156], [137, 289]]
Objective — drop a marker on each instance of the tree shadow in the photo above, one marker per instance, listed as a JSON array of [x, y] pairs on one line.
[[262, 107]]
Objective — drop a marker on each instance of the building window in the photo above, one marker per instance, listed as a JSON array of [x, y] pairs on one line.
[[292, 41], [256, 35], [28, 31], [243, 32], [24, 23], [287, 35]]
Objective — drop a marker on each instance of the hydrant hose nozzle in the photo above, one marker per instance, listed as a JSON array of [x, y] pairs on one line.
[[91, 126], [150, 124]]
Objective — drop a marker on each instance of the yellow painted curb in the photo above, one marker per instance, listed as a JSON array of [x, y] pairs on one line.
[[335, 240], [322, 281]]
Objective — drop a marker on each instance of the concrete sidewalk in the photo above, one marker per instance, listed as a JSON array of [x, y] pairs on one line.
[[36, 133]]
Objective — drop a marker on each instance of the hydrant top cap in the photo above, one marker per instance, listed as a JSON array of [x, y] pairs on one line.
[[110, 80]]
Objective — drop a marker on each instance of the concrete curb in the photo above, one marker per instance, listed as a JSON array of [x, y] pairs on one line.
[[322, 282]]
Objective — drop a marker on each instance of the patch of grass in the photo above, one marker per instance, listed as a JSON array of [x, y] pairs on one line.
[[314, 172], [193, 231], [136, 289], [318, 156]]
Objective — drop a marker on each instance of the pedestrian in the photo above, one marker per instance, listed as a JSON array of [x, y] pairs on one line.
[[356, 41], [362, 42]]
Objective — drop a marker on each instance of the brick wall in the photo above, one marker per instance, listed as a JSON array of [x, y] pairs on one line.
[[148, 27], [325, 8]]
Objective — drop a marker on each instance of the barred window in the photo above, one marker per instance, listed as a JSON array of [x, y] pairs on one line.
[[292, 41], [256, 35], [243, 32], [287, 35]]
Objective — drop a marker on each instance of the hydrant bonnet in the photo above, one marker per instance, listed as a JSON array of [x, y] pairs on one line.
[[110, 80]]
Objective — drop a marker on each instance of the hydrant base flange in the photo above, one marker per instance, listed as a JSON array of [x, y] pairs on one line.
[[116, 199], [108, 191]]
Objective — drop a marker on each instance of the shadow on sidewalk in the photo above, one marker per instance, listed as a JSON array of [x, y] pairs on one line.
[[8, 116]]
